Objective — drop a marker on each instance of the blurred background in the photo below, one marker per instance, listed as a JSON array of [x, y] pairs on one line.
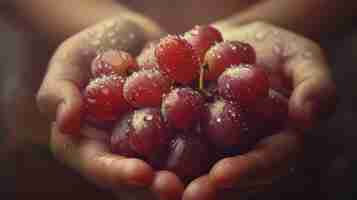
[[28, 170]]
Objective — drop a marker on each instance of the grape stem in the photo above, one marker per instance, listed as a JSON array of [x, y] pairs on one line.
[[201, 81]]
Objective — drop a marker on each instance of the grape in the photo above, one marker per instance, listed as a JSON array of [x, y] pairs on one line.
[[244, 84], [177, 59], [158, 159], [248, 54], [182, 107], [112, 62], [223, 123], [202, 38], [120, 137], [148, 133], [188, 156], [104, 101], [226, 54], [145, 88], [271, 113]]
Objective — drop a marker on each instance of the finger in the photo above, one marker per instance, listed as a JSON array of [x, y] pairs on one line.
[[271, 153], [92, 159], [314, 96], [64, 95], [95, 134], [59, 96], [201, 188], [134, 193], [167, 186]]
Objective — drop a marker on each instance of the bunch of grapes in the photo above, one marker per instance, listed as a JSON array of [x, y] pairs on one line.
[[185, 102]]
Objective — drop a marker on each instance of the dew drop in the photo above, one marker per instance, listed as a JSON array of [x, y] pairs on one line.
[[275, 32], [260, 36], [113, 41], [92, 101], [95, 42], [111, 34], [149, 117], [228, 86], [131, 36]]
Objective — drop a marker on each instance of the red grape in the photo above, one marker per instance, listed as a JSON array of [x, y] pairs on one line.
[[120, 137], [177, 59], [182, 107], [223, 123], [272, 112], [244, 84], [145, 88], [202, 38], [104, 101], [112, 62], [248, 54], [158, 159], [188, 156], [148, 133], [226, 54]]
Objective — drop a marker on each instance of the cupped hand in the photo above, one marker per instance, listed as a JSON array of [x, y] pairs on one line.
[[60, 98], [299, 70]]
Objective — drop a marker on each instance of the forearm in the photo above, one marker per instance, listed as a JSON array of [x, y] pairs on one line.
[[312, 18], [56, 20]]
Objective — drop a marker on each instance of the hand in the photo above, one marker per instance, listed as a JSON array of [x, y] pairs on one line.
[[60, 98], [312, 92]]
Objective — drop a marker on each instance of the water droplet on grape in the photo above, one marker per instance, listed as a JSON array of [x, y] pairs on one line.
[[92, 101], [149, 117]]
